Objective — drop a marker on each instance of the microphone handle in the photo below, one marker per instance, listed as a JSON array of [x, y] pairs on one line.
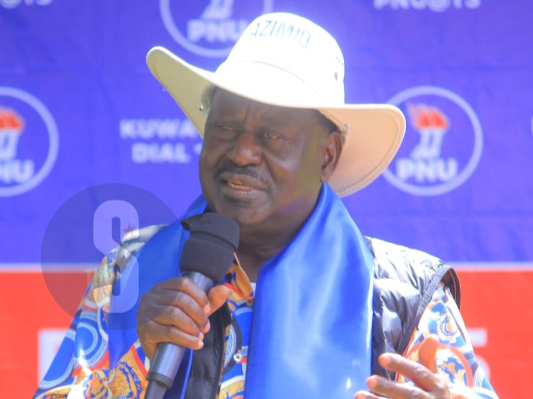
[[168, 356]]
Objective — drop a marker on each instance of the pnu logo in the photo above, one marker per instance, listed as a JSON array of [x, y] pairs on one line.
[[28, 141], [442, 145], [433, 5], [210, 29]]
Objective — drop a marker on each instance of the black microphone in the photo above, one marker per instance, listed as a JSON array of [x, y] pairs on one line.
[[206, 257]]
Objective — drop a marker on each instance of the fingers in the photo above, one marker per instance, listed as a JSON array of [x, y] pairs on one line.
[[217, 296], [152, 334], [365, 395], [427, 383], [176, 302], [395, 390], [176, 311], [187, 286], [427, 354], [391, 389], [183, 313], [416, 372]]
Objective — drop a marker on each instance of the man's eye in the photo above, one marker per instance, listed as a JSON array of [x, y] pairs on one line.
[[225, 128], [271, 136]]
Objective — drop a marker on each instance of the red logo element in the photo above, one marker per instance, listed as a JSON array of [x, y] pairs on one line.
[[432, 125], [11, 125], [128, 229], [424, 116], [10, 120]]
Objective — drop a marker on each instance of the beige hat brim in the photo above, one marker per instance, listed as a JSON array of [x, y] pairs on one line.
[[375, 134]]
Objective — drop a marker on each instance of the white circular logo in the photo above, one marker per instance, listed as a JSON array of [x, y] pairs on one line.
[[216, 24], [23, 121], [442, 145]]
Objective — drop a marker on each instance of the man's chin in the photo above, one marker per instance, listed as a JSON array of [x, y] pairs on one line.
[[244, 213]]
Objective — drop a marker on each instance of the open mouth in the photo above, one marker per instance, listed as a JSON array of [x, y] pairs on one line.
[[241, 183], [239, 186]]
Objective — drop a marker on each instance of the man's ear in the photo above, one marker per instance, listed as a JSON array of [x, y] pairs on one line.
[[331, 152]]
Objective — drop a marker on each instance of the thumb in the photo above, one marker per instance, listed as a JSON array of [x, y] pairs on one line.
[[217, 296], [428, 353]]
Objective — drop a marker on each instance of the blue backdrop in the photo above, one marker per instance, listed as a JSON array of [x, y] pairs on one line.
[[79, 108]]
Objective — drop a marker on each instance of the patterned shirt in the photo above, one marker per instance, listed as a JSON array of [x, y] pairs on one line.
[[240, 302], [455, 354], [84, 370]]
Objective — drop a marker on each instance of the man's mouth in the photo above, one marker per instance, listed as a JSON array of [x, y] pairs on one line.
[[241, 183], [238, 186]]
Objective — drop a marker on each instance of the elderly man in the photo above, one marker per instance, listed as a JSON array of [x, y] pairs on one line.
[[309, 308]]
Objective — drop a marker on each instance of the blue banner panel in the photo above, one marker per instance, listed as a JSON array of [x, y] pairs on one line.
[[79, 108]]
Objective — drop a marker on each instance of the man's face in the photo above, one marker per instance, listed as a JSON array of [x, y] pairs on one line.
[[261, 165]]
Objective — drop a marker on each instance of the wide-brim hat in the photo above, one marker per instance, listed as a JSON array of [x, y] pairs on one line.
[[286, 60]]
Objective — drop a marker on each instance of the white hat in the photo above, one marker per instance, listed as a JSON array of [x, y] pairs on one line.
[[286, 60]]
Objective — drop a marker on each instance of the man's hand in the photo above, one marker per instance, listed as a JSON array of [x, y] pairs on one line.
[[428, 383], [176, 311]]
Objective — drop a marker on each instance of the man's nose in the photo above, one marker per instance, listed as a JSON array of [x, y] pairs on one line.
[[246, 149]]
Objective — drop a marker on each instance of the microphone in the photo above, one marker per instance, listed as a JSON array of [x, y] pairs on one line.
[[206, 257]]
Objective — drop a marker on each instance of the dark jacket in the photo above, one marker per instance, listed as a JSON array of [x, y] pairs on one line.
[[404, 283]]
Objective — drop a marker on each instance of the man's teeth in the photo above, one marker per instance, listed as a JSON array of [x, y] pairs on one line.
[[239, 186]]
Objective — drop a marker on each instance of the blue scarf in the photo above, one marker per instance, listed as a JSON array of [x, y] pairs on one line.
[[312, 317]]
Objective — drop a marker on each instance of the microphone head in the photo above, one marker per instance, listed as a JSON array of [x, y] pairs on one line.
[[211, 245]]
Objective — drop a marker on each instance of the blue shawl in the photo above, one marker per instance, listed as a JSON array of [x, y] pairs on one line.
[[312, 316]]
